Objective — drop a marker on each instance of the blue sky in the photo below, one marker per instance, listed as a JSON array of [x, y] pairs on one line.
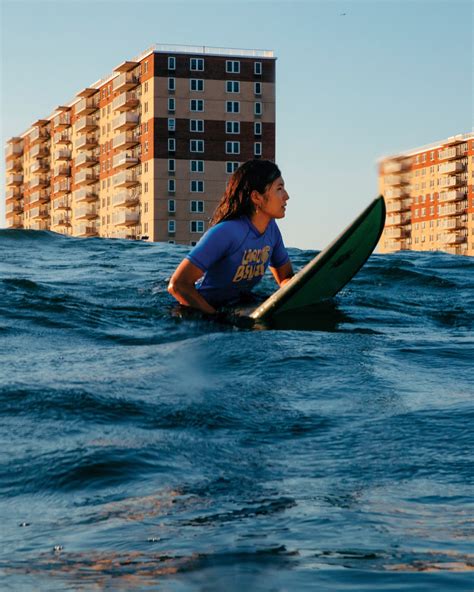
[[355, 80]]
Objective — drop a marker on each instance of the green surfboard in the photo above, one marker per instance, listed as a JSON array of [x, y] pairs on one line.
[[324, 276]]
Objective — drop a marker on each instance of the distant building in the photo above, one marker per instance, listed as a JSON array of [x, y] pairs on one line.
[[147, 151], [429, 192]]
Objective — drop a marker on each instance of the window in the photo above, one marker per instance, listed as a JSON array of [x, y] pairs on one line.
[[171, 206], [196, 84], [232, 127], [232, 147], [232, 86], [196, 166], [171, 145], [258, 108], [171, 124], [171, 63], [257, 88], [196, 105], [196, 125], [196, 145], [171, 104], [171, 185], [257, 128], [171, 226], [171, 84], [196, 186], [196, 64], [197, 206], [171, 165], [146, 86], [231, 166], [145, 146], [145, 187], [232, 66], [145, 107], [145, 67], [232, 107], [257, 68], [257, 148], [197, 226]]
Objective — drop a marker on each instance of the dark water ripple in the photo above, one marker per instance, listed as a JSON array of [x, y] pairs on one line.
[[144, 451]]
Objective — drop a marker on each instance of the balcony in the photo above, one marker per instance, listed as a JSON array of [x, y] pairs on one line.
[[39, 151], [394, 220], [62, 171], [395, 180], [62, 187], [86, 212], [398, 193], [14, 208], [125, 179], [127, 120], [62, 220], [449, 168], [126, 198], [87, 142], [86, 106], [14, 165], [13, 150], [451, 196], [453, 181], [125, 102], [396, 233], [15, 179], [453, 209], [125, 160], [86, 177], [15, 222], [40, 166], [13, 193], [453, 238], [41, 196], [62, 138], [454, 223], [449, 153], [39, 225], [125, 140], [38, 135], [125, 218], [62, 121], [86, 124], [125, 81], [85, 194], [64, 203], [87, 230], [85, 160], [63, 154], [39, 213]]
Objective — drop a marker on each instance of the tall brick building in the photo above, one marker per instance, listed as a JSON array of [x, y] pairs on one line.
[[429, 192], [147, 151]]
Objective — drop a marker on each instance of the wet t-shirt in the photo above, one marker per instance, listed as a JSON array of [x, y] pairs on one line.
[[234, 256]]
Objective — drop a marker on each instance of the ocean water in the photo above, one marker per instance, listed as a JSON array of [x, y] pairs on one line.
[[141, 450]]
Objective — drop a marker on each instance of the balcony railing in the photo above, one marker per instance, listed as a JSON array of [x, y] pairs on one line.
[[15, 179], [40, 225], [86, 142], [62, 171], [453, 238], [41, 196], [63, 154], [125, 160], [88, 212], [453, 223], [125, 179], [86, 124], [63, 220], [449, 153], [14, 208], [42, 213], [85, 177], [125, 140], [64, 203], [126, 198], [395, 180], [85, 194], [453, 181], [127, 120], [87, 230], [448, 168], [40, 166], [85, 160], [453, 209], [13, 193], [125, 101], [125, 218], [39, 134], [39, 151], [62, 138], [13, 150], [396, 193], [451, 195], [86, 106], [125, 81], [62, 187], [14, 165], [15, 222], [62, 121]]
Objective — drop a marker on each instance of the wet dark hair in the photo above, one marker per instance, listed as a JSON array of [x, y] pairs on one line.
[[252, 175]]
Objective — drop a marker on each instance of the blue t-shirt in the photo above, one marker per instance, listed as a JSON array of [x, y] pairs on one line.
[[234, 256]]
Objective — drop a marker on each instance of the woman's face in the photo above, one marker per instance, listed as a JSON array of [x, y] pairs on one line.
[[273, 202]]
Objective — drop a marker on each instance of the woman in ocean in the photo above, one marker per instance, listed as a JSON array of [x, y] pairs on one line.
[[242, 241]]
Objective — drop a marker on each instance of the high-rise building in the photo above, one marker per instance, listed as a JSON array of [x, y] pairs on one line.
[[147, 151], [429, 193]]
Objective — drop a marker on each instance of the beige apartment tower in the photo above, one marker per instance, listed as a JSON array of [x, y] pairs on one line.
[[429, 193], [146, 152]]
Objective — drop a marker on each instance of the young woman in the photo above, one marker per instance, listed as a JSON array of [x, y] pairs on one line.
[[242, 241]]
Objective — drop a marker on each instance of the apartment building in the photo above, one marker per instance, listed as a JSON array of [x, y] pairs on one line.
[[146, 152], [429, 193]]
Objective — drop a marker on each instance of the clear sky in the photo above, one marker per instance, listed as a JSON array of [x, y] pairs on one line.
[[356, 80]]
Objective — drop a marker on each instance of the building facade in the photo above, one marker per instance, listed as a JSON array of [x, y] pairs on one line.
[[429, 193], [147, 151]]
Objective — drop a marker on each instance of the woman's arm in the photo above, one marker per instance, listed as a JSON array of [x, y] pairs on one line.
[[181, 286], [283, 274]]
